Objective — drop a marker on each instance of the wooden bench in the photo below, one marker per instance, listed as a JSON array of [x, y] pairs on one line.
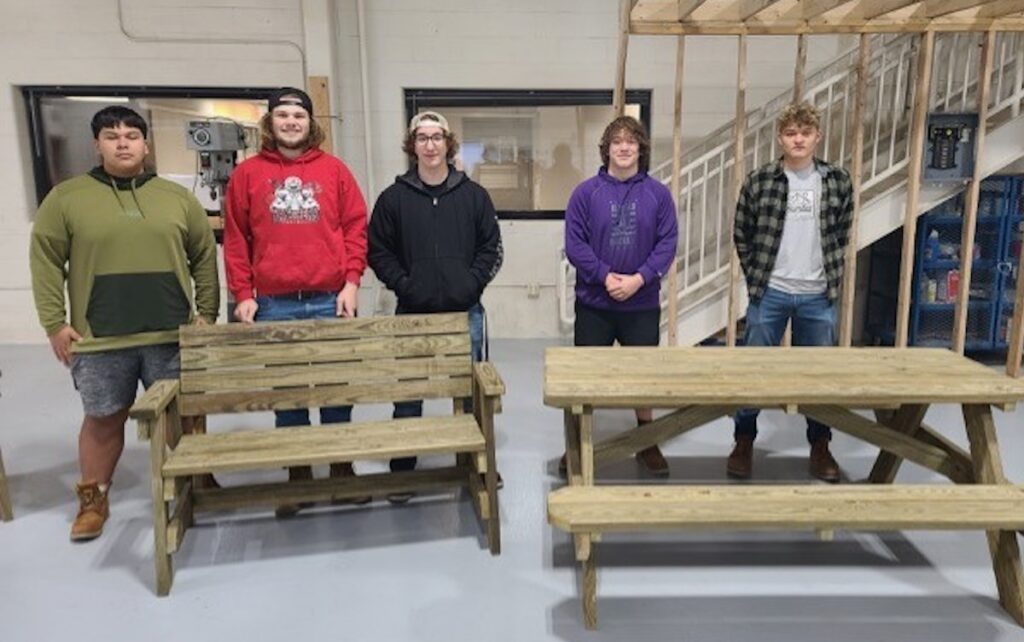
[[301, 364], [702, 385]]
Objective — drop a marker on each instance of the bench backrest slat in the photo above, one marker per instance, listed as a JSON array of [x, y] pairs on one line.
[[302, 364]]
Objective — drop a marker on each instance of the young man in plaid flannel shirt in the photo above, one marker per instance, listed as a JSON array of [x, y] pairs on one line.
[[792, 225]]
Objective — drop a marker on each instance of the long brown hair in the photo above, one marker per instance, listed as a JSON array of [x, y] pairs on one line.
[[634, 128], [315, 138]]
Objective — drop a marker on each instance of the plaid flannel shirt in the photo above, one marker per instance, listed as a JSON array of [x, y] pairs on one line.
[[761, 215]]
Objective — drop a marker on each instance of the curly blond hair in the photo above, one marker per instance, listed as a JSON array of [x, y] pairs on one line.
[[800, 114]]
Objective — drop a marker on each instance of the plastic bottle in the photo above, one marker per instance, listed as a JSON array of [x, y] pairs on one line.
[[952, 284], [941, 295], [931, 248], [932, 291]]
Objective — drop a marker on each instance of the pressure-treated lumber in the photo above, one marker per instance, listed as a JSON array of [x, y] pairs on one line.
[[922, 92], [645, 508], [971, 197]]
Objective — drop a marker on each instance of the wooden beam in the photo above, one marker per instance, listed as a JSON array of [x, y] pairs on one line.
[[739, 131], [754, 27], [799, 72], [1016, 338], [993, 9], [973, 190], [320, 94], [619, 96], [677, 152], [922, 93], [937, 8], [687, 7], [870, 9], [856, 178], [740, 10]]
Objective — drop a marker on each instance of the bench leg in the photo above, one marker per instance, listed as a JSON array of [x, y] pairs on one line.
[[485, 418], [590, 591], [162, 557], [6, 512], [988, 469]]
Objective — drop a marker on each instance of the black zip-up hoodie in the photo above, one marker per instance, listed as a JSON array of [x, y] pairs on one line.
[[436, 253]]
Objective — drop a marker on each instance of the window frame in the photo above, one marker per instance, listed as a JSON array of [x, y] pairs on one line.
[[419, 98]]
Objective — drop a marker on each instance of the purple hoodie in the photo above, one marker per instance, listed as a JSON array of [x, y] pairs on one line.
[[620, 226]]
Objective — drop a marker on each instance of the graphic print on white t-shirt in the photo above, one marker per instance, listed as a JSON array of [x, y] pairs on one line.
[[799, 268]]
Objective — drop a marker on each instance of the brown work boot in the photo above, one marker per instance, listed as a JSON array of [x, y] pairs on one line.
[[344, 469], [295, 473], [93, 511], [740, 464], [653, 461], [821, 464]]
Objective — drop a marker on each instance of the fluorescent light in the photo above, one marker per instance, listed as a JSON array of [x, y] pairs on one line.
[[99, 99]]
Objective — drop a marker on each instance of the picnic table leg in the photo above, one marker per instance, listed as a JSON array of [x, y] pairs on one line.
[[590, 592], [572, 448], [584, 545], [905, 420], [988, 469]]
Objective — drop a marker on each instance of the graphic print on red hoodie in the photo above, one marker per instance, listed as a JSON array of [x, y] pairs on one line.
[[293, 225]]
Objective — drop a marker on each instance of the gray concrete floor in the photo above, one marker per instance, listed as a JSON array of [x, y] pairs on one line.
[[422, 572]]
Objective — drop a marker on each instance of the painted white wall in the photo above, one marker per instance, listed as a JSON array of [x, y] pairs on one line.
[[446, 43]]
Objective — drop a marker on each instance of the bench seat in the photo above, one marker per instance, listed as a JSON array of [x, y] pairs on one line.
[[315, 445], [785, 507]]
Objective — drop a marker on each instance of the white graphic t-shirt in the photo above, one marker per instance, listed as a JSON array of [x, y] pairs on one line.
[[799, 268]]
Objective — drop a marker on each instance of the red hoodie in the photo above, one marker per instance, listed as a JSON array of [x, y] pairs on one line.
[[293, 225]]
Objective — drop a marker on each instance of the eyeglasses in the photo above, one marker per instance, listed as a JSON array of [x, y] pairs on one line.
[[423, 139]]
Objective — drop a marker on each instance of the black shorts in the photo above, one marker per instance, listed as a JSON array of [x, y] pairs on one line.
[[596, 327]]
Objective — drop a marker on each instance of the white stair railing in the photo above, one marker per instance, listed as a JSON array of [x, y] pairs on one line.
[[706, 193]]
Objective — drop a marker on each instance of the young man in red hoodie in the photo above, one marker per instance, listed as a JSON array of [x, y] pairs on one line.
[[295, 238]]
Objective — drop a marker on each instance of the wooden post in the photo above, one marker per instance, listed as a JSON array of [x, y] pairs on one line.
[[922, 93], [801, 66], [677, 152], [1016, 341], [739, 131], [856, 178], [619, 96], [319, 93], [973, 189], [799, 73]]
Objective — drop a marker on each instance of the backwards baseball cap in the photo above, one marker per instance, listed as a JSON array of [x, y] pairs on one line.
[[290, 96], [428, 119]]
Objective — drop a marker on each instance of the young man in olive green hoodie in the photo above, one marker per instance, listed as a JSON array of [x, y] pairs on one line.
[[128, 245]]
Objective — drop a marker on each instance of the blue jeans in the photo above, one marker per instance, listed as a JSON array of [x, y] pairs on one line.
[[321, 306], [405, 409], [814, 324]]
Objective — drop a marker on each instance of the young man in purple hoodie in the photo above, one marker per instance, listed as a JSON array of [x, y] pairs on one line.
[[620, 235]]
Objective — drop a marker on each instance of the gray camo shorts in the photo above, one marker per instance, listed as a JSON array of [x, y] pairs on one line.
[[108, 381]]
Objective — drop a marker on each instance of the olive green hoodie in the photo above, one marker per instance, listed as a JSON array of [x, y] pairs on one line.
[[129, 250]]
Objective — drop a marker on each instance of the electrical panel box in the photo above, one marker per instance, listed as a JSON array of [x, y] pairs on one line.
[[949, 147]]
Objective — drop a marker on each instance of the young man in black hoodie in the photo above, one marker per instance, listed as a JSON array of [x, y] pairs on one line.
[[434, 241]]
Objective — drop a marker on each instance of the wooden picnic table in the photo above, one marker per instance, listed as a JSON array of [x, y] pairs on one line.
[[701, 385]]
